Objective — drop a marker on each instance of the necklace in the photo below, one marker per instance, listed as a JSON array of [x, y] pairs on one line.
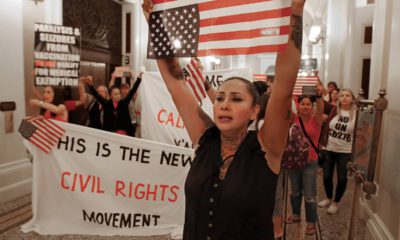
[[226, 162]]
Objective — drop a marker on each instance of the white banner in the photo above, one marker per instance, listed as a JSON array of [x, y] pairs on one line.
[[160, 120], [216, 77], [101, 183]]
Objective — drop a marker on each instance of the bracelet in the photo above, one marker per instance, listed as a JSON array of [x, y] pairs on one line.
[[41, 103]]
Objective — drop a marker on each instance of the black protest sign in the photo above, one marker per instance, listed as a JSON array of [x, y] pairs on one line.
[[56, 55]]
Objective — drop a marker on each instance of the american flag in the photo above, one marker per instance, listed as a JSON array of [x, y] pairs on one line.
[[189, 28], [305, 86], [41, 132], [195, 80], [259, 77]]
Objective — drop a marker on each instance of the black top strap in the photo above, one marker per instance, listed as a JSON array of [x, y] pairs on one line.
[[305, 134]]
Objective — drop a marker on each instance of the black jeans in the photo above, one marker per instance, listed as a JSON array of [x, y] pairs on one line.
[[340, 160]]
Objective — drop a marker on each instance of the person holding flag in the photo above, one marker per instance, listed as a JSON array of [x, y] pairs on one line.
[[230, 187]]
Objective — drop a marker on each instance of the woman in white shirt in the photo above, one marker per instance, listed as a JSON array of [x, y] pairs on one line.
[[338, 149]]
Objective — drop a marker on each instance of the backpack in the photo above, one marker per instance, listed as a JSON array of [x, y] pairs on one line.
[[295, 155]]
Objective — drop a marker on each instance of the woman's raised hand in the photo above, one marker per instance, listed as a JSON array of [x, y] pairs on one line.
[[147, 7], [89, 80]]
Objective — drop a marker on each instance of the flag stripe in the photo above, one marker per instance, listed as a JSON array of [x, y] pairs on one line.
[[55, 126], [193, 88], [266, 23], [245, 34], [34, 142], [260, 77], [196, 76], [175, 4], [40, 142], [40, 134], [255, 42], [51, 127], [45, 129], [243, 50], [225, 4], [245, 17], [243, 9], [46, 133]]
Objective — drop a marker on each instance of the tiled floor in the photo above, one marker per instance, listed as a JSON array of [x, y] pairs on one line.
[[333, 227]]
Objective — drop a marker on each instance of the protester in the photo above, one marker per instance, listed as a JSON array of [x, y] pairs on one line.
[[51, 106], [338, 146], [303, 181], [124, 89], [116, 110], [334, 96], [70, 105], [230, 187], [95, 109], [330, 86]]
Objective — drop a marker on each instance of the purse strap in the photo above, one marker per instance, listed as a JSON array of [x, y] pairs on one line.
[[305, 134]]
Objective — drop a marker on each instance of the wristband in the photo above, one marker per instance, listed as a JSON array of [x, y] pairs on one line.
[[41, 103]]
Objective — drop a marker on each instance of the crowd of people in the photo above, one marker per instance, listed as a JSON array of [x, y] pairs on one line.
[[234, 187], [111, 109]]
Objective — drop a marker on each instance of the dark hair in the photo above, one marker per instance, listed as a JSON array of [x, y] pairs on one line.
[[263, 102], [333, 83], [311, 98], [261, 87], [330, 93], [112, 88], [251, 88], [57, 100], [67, 93]]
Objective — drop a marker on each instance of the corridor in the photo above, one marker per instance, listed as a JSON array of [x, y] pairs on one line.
[[332, 227]]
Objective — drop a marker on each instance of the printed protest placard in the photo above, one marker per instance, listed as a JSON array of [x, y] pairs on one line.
[[56, 55]]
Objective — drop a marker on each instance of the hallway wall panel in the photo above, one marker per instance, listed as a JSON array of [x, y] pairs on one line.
[[13, 157]]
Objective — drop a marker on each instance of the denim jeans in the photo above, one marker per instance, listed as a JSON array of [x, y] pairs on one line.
[[304, 182], [340, 160]]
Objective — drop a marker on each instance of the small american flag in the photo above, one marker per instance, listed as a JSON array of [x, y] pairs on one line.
[[305, 86], [41, 132], [195, 80], [189, 28], [259, 77]]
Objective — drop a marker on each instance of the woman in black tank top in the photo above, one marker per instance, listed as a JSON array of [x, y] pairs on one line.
[[230, 187]]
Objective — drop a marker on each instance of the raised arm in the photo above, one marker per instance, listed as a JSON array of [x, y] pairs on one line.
[[133, 89], [320, 105], [82, 94], [95, 94], [59, 110], [273, 133], [195, 119]]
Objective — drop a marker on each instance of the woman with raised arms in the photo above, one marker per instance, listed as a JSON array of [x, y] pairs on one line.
[[230, 187]]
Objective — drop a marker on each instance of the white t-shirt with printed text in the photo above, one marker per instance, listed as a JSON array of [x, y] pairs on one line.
[[341, 129]]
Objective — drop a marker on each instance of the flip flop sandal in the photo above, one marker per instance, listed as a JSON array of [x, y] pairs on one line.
[[311, 229], [292, 219]]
